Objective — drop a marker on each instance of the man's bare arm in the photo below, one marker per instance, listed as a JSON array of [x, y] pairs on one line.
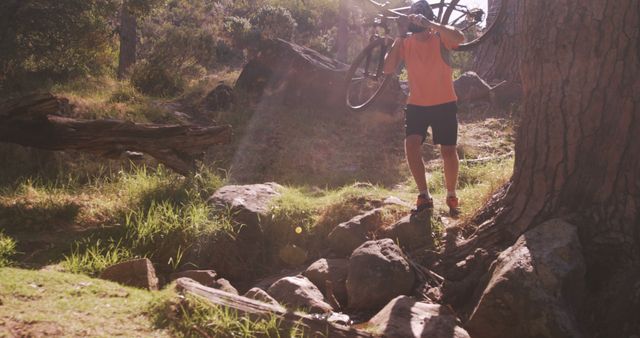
[[449, 34]]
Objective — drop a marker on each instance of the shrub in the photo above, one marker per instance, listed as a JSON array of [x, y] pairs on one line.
[[274, 22], [239, 30], [44, 40], [157, 80]]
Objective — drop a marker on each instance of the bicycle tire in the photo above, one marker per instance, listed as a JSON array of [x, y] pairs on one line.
[[496, 15], [380, 84]]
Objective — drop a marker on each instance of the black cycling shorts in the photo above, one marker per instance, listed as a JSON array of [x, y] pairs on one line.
[[441, 118]]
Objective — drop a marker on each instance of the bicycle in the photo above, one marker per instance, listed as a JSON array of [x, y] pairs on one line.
[[365, 79]]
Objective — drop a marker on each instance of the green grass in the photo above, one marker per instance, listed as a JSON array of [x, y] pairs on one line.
[[90, 256], [105, 98], [41, 303], [7, 249], [194, 317]]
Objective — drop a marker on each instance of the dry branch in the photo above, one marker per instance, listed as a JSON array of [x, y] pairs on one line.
[[36, 121], [313, 326]]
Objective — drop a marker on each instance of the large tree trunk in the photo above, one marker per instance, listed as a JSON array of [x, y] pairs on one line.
[[128, 39], [342, 38], [577, 153], [497, 58], [35, 121]]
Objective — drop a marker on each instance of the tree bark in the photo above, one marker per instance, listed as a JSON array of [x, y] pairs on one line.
[[577, 154], [35, 121], [128, 40], [342, 38], [497, 58]]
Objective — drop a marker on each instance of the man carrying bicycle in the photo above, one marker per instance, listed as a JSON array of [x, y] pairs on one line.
[[432, 99]]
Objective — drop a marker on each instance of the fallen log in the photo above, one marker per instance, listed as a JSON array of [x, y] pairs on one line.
[[313, 326], [36, 121]]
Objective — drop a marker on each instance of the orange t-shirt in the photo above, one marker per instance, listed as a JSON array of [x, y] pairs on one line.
[[429, 67]]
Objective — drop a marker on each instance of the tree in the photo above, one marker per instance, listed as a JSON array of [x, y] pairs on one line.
[[342, 37], [44, 40], [130, 11], [128, 40], [577, 153], [497, 58]]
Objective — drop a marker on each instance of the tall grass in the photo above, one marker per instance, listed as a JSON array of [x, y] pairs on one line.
[[161, 216], [194, 317], [7, 249], [90, 256]]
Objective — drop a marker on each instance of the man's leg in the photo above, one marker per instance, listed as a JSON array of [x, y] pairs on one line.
[[412, 149], [451, 167]]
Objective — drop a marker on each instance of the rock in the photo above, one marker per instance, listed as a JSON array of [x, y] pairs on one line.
[[237, 258], [261, 295], [505, 94], [470, 87], [332, 270], [220, 98], [347, 236], [300, 73], [534, 286], [137, 273], [393, 200], [292, 255], [410, 232], [248, 203], [204, 277], [299, 292], [406, 317], [378, 272], [224, 285]]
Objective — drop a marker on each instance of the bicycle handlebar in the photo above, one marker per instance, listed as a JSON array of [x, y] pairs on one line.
[[393, 11]]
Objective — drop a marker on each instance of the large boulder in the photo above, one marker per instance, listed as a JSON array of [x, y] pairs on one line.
[[137, 273], [471, 87], [298, 292], [534, 286], [237, 257], [333, 271], [300, 73], [410, 232], [406, 317], [347, 236], [378, 272], [247, 203], [220, 98]]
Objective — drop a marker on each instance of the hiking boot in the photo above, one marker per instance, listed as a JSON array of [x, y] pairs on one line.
[[423, 203], [453, 204]]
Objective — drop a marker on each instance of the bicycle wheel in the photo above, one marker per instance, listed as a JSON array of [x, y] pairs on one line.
[[476, 21], [365, 80]]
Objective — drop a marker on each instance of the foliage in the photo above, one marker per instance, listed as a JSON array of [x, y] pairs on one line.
[[91, 256], [274, 22], [181, 43], [43, 39], [240, 31], [313, 18], [7, 249], [156, 80]]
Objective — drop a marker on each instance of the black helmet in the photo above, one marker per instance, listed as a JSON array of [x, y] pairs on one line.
[[421, 7]]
